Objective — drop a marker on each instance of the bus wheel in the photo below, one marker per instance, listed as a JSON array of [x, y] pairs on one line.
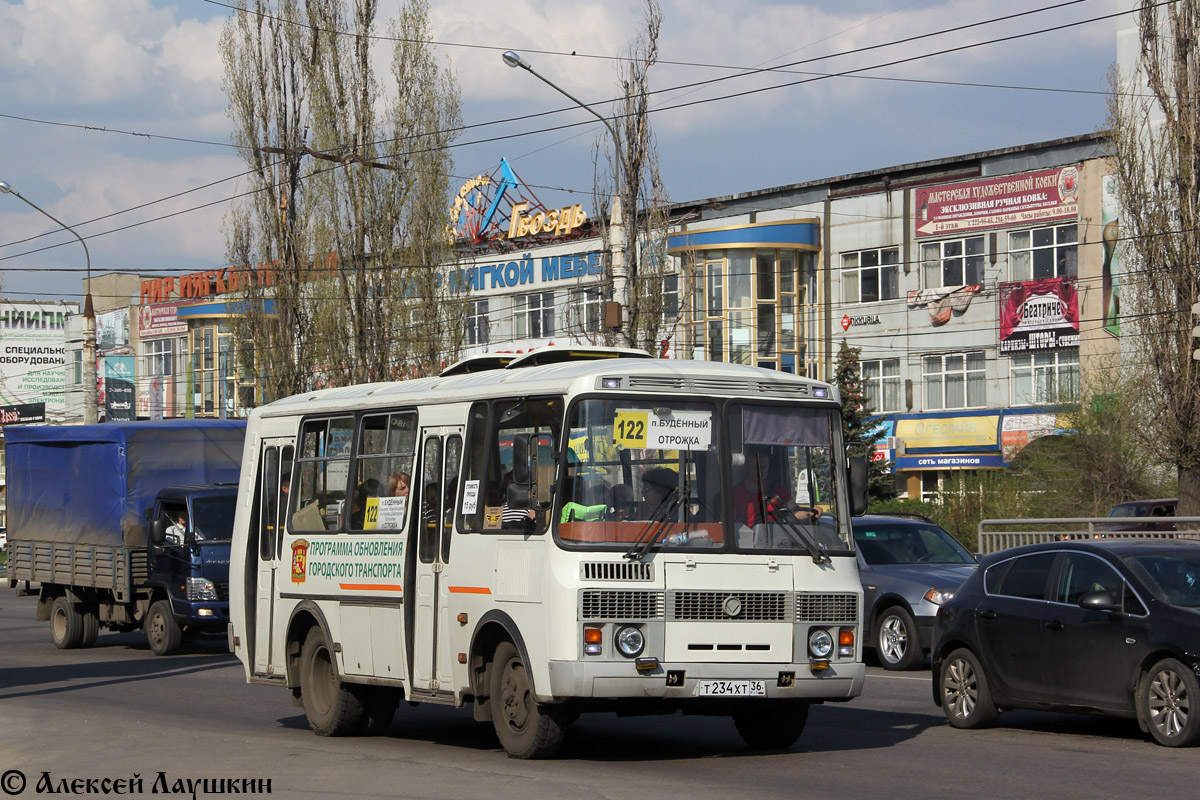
[[66, 624], [771, 725], [525, 727], [161, 629], [379, 706], [333, 708]]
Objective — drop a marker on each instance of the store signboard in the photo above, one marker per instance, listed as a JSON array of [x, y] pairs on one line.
[[955, 461], [1038, 315], [1030, 199], [949, 432]]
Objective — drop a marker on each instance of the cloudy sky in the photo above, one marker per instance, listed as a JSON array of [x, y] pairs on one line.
[[80, 77]]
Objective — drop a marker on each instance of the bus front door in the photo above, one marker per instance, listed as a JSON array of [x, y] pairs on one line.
[[274, 481], [441, 455]]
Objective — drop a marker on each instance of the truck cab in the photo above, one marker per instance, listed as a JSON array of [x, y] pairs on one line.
[[190, 528]]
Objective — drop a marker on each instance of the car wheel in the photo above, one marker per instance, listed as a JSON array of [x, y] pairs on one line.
[[162, 631], [964, 691], [896, 640], [333, 708], [1168, 692], [525, 727], [771, 725], [66, 624]]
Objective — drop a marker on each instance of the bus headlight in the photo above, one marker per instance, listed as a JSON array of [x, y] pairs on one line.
[[820, 643], [630, 641]]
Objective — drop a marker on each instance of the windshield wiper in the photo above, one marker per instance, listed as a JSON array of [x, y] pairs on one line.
[[816, 550], [659, 518]]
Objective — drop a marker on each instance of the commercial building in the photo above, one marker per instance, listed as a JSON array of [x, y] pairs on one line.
[[978, 288]]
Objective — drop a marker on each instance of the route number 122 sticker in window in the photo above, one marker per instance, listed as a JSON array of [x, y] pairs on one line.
[[675, 430]]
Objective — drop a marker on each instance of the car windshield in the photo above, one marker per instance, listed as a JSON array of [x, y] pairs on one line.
[[892, 543], [1173, 576], [1130, 510]]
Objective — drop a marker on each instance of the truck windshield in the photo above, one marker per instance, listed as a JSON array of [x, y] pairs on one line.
[[644, 474], [212, 517]]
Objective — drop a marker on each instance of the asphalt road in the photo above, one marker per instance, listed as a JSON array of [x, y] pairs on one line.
[[115, 711]]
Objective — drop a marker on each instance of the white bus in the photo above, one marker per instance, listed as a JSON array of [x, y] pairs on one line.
[[546, 539]]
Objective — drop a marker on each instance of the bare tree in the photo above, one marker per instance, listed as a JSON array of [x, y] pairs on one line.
[[268, 234], [1156, 140], [638, 269], [373, 305]]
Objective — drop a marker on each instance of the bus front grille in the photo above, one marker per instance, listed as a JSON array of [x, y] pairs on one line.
[[620, 605], [839, 608], [729, 606]]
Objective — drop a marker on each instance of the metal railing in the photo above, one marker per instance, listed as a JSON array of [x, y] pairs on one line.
[[1001, 534]]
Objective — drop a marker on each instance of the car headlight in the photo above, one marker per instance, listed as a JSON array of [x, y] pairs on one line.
[[820, 643], [201, 589], [939, 596], [630, 641]]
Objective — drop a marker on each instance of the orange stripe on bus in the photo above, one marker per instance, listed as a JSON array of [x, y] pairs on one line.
[[372, 587], [468, 590]]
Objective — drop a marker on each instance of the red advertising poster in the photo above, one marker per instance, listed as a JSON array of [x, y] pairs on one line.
[[1038, 315], [160, 319], [1032, 198]]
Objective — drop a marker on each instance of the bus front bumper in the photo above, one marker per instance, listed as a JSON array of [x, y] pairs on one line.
[[843, 680]]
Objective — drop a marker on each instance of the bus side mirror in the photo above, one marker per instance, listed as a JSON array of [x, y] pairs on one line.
[[859, 498], [524, 447]]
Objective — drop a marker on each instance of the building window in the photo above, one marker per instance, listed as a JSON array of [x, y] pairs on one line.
[[871, 275], [957, 262], [1047, 377], [670, 297], [479, 329], [535, 315], [585, 309], [881, 383], [954, 380], [1043, 253], [160, 356]]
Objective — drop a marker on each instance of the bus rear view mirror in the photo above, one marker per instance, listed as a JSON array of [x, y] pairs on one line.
[[524, 448], [859, 498]]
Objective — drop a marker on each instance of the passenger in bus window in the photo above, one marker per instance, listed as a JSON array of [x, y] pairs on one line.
[[515, 518], [429, 504], [398, 484], [658, 483]]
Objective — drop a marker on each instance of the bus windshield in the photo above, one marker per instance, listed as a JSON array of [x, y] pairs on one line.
[[650, 473]]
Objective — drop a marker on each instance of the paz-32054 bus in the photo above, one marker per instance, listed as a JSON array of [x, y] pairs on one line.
[[543, 540]]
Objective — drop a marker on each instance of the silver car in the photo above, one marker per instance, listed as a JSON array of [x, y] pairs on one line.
[[909, 567]]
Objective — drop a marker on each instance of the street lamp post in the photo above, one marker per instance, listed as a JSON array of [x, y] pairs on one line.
[[89, 314], [616, 239]]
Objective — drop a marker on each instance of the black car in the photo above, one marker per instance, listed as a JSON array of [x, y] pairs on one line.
[[909, 566], [1099, 626]]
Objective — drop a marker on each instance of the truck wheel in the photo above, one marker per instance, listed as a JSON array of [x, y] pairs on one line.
[[66, 624], [770, 725], [91, 627], [525, 727], [161, 629], [333, 708]]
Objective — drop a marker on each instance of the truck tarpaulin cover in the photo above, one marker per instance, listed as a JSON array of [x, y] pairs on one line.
[[89, 484]]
